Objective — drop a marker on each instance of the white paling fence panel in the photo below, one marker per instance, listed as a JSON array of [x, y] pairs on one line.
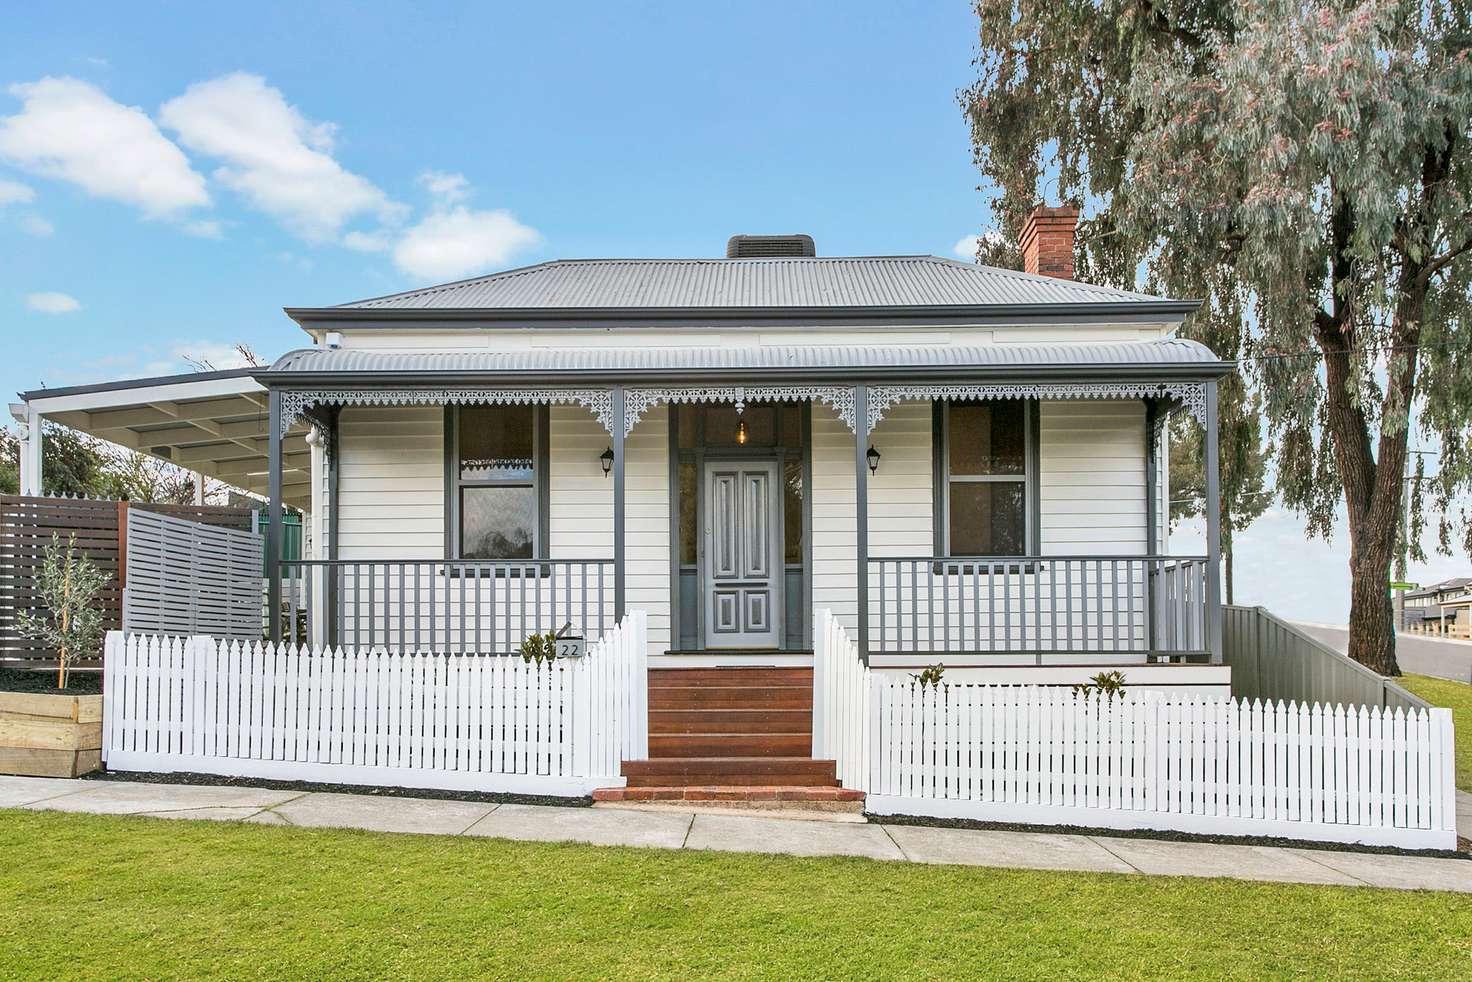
[[461, 722], [184, 577], [1210, 766], [1143, 761], [841, 702]]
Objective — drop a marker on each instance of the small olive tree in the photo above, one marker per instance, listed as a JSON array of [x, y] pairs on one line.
[[69, 618]]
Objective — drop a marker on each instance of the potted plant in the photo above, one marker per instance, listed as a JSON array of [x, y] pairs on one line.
[[56, 733]]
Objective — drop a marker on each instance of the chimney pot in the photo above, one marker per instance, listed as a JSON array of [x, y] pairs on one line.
[[1047, 241]]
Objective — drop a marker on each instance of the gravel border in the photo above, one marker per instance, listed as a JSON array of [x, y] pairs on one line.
[[365, 790], [42, 681], [1463, 851]]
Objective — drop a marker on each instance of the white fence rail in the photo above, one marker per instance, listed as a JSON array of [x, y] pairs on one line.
[[184, 577], [1144, 761], [460, 722]]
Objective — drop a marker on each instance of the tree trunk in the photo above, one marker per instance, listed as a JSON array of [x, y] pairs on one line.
[[1371, 611]]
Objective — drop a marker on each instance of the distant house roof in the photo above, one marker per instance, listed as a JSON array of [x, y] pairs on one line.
[[1156, 355], [819, 284], [1457, 583]]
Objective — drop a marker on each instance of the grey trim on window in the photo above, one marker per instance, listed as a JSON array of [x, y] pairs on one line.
[[541, 464], [941, 480]]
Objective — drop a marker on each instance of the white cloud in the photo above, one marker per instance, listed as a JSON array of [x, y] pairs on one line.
[[15, 193], [196, 354], [367, 241], [205, 229], [448, 188], [966, 247], [71, 130], [37, 226], [457, 242], [279, 160], [52, 303]]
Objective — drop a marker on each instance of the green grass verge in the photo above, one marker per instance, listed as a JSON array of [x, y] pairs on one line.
[[93, 896], [1456, 696]]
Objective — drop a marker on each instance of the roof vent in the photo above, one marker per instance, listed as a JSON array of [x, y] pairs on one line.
[[769, 246]]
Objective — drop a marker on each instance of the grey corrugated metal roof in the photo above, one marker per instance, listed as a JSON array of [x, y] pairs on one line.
[[1170, 351], [713, 284]]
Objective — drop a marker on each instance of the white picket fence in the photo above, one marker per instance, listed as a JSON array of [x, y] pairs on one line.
[[1144, 761], [459, 722]]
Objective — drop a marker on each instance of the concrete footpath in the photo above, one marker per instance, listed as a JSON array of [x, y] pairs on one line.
[[674, 827]]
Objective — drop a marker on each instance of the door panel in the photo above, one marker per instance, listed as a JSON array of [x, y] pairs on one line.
[[742, 542]]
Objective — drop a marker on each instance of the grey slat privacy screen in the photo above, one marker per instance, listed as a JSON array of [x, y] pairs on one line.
[[189, 578]]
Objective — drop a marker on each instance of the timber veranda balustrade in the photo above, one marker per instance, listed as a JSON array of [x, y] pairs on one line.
[[452, 606], [1150, 606]]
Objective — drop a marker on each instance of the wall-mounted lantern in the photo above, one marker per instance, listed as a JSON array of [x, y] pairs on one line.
[[873, 456], [606, 459]]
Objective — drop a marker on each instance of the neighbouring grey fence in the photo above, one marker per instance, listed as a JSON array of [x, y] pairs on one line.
[[186, 578], [1272, 659]]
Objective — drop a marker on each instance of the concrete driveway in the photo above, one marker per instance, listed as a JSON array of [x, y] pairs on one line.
[[1416, 653]]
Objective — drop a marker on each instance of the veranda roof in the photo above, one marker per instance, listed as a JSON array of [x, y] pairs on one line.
[[1164, 357]]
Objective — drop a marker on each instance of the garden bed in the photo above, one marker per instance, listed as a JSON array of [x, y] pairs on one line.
[[50, 732]]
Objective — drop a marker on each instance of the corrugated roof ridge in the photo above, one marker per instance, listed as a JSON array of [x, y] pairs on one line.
[[886, 266], [1036, 278], [429, 291]]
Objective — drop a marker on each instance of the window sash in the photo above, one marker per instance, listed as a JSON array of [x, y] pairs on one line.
[[539, 481], [943, 479]]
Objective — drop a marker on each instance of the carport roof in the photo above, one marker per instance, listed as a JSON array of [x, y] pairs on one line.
[[211, 422]]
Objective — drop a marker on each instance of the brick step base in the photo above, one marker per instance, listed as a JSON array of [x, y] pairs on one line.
[[754, 793]]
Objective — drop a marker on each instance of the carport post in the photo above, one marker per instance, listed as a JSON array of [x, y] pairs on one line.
[[30, 451], [273, 520]]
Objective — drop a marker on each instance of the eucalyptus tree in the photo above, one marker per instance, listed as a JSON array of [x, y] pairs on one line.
[[1303, 167]]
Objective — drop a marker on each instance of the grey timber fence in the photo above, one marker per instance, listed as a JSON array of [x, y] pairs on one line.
[[1272, 659], [187, 577], [29, 524]]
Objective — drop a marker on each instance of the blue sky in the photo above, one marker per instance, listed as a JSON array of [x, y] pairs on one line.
[[171, 175], [602, 129]]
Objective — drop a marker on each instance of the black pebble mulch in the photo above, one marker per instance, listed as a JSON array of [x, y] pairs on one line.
[[1464, 846], [371, 791], [81, 683]]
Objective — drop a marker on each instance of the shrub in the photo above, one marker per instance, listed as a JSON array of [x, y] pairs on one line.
[[539, 648], [67, 617]]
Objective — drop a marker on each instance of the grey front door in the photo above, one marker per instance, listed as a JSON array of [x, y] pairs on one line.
[[743, 554]]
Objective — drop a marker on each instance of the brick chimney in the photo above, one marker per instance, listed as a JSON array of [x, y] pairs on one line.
[[1047, 241]]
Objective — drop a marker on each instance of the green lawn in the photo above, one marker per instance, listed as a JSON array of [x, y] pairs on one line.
[[92, 897], [1456, 696]]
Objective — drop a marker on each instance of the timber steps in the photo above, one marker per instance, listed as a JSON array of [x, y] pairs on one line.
[[739, 731]]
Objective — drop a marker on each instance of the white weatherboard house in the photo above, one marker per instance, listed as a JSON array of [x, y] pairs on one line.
[[963, 464], [767, 489]]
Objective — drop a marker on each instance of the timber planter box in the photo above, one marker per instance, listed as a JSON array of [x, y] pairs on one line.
[[50, 734]]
